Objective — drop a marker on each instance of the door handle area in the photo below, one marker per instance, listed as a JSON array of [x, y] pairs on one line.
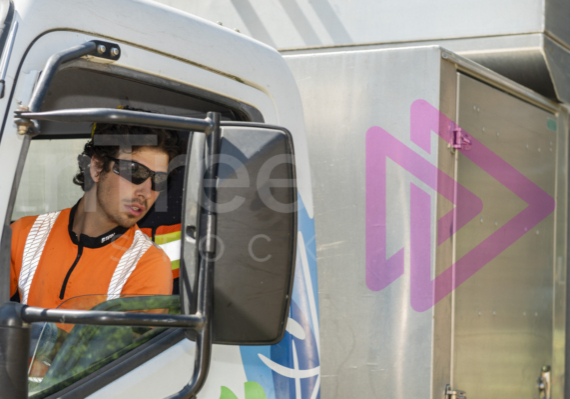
[[543, 383], [454, 393]]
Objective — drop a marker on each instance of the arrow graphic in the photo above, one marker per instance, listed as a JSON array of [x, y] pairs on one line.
[[425, 292]]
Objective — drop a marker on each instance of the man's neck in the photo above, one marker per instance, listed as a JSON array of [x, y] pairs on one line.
[[90, 223]]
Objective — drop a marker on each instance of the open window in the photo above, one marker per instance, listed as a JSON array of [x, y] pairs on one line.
[[59, 357], [47, 180]]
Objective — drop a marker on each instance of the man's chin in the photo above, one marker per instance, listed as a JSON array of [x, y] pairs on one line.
[[128, 221]]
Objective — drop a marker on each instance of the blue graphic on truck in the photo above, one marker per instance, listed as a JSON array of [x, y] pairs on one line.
[[291, 369]]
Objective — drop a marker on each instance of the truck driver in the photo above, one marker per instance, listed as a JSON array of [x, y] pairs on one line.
[[96, 247]]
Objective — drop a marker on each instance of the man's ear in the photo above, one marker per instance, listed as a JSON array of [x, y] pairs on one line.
[[95, 168]]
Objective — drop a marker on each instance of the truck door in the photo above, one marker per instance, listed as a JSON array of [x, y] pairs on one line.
[[505, 317], [45, 185]]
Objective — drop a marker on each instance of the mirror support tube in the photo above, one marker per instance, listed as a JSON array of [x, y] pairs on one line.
[[31, 314], [14, 347], [205, 284], [118, 116], [51, 67], [48, 73]]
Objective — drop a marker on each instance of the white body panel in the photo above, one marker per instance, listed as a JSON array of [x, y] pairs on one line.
[[309, 24], [155, 379]]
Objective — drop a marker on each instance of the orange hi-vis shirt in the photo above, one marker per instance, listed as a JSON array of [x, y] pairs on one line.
[[71, 266]]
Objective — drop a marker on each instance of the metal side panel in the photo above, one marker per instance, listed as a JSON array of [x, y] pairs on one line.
[[503, 314], [373, 343]]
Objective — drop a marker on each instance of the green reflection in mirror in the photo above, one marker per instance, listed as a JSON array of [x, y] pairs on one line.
[[66, 353]]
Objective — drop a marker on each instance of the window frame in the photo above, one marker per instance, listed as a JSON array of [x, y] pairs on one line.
[[130, 361], [123, 365]]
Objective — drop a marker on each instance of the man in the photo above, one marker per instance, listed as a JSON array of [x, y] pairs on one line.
[[96, 247]]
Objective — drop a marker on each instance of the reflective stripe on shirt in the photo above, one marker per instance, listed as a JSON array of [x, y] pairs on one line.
[[35, 243], [172, 250], [127, 264], [33, 249], [171, 244]]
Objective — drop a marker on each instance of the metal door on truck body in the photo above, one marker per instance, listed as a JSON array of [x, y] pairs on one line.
[[505, 318]]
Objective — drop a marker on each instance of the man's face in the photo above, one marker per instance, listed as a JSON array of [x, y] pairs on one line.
[[126, 203]]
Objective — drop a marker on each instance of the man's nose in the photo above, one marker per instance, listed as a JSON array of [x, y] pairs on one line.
[[144, 189]]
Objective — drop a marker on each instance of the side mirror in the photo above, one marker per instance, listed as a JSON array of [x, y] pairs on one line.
[[255, 233]]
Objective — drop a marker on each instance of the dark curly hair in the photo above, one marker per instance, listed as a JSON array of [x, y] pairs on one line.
[[109, 140]]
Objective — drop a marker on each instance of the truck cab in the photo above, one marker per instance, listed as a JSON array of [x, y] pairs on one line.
[[258, 332]]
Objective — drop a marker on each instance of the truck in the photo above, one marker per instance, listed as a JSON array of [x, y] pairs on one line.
[[431, 177], [488, 316], [67, 65]]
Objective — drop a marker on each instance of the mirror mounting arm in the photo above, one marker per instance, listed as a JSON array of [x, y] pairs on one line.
[[14, 341], [206, 240], [92, 48], [208, 217]]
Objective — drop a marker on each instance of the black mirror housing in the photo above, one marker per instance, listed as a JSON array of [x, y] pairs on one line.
[[256, 235]]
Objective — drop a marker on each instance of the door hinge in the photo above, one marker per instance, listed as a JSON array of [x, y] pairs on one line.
[[461, 140], [453, 393]]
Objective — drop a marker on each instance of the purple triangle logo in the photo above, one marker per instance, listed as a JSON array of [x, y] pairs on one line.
[[382, 271]]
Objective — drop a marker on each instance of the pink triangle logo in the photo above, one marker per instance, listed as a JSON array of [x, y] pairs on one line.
[[382, 271]]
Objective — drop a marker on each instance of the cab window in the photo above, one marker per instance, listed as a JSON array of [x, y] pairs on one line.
[[62, 355]]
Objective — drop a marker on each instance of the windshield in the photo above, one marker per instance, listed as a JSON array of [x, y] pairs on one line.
[[61, 354]]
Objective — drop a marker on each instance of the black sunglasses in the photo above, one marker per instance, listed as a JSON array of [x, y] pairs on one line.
[[137, 173]]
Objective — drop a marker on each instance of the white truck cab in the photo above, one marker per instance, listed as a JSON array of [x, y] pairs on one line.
[[68, 64]]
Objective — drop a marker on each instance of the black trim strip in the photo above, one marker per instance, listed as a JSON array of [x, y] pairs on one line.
[[64, 286]]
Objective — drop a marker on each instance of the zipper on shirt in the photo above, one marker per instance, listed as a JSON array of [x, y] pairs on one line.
[[79, 253]]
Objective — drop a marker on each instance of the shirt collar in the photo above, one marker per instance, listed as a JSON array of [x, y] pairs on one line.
[[93, 242]]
